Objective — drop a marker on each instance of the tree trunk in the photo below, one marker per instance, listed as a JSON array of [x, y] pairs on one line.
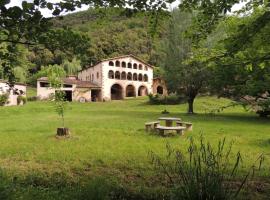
[[190, 105], [62, 132], [263, 114]]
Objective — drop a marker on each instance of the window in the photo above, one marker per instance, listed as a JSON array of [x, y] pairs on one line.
[[117, 63], [67, 86], [135, 66], [111, 74], [97, 75], [140, 77], [129, 76], [43, 84], [140, 67], [145, 78], [129, 65], [117, 75], [146, 68], [135, 77], [111, 63], [124, 64], [92, 77], [123, 76]]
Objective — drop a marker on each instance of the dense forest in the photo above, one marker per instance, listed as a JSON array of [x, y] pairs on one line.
[[86, 37], [115, 31]]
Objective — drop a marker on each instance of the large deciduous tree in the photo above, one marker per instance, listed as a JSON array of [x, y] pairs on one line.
[[183, 76], [241, 66]]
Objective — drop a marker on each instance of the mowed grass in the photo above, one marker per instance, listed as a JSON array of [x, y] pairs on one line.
[[108, 139]]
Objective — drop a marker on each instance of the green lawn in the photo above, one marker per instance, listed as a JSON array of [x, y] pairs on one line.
[[108, 139]]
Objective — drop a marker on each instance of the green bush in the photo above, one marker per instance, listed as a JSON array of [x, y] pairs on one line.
[[33, 98], [21, 99], [172, 99], [205, 173], [3, 99]]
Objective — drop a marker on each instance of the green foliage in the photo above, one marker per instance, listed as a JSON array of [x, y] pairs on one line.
[[115, 31], [55, 74], [60, 105], [205, 173], [96, 189], [72, 68], [4, 99], [182, 77], [21, 99], [171, 99]]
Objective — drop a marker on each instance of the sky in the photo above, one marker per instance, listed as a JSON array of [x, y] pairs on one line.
[[47, 13]]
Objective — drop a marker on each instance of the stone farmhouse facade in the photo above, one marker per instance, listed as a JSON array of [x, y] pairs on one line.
[[120, 77], [110, 79], [17, 90]]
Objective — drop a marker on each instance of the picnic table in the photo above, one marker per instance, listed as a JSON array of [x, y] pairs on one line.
[[169, 120]]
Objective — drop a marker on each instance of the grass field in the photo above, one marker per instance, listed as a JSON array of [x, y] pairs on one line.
[[108, 139]]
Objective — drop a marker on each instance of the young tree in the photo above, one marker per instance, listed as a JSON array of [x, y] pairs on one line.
[[55, 75]]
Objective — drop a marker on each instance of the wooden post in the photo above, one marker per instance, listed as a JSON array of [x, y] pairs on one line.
[[62, 132]]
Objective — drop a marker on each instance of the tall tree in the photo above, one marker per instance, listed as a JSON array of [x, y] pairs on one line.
[[182, 77]]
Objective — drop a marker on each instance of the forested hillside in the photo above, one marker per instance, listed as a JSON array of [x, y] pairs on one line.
[[86, 37], [114, 31]]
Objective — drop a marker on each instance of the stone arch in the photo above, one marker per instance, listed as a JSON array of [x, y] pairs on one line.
[[145, 78], [142, 91], [123, 76], [111, 63], [116, 92], [135, 66], [124, 64], [117, 75], [160, 89], [129, 76], [140, 78], [140, 67], [135, 77], [111, 74], [129, 65], [130, 91], [117, 63]]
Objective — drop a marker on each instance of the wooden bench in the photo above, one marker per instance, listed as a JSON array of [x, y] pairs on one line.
[[188, 125], [162, 129], [149, 126]]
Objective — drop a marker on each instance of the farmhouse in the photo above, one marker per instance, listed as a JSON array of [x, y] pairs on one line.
[[110, 79], [19, 89]]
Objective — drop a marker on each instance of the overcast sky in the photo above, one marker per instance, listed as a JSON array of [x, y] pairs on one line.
[[47, 12]]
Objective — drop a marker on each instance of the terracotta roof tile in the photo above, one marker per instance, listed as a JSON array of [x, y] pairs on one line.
[[78, 83]]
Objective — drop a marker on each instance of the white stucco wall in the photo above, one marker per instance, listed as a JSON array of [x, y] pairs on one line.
[[92, 74], [44, 93], [4, 88]]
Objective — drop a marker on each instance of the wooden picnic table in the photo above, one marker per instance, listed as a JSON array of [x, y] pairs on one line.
[[169, 120]]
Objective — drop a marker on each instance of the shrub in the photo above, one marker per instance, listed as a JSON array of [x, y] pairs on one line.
[[205, 173], [21, 99], [98, 189], [171, 99], [33, 98], [3, 99]]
